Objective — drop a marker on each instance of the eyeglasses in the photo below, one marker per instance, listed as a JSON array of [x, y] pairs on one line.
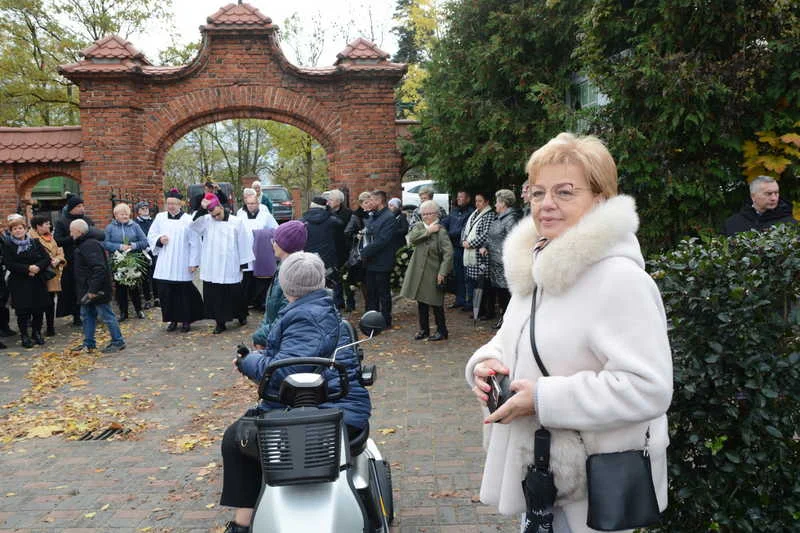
[[561, 192]]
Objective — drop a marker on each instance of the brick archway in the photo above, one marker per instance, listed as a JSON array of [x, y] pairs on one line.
[[132, 112]]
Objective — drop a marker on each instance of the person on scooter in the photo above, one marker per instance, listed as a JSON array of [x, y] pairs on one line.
[[310, 326]]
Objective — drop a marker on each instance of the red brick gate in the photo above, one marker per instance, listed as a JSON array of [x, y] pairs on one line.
[[132, 112]]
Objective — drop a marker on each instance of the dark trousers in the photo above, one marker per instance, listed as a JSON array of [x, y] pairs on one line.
[[50, 312], [254, 289], [379, 294], [503, 297], [32, 317], [122, 293], [438, 317], [460, 279]]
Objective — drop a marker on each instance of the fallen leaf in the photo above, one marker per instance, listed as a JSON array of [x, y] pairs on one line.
[[209, 506], [89, 515], [386, 431], [106, 506]]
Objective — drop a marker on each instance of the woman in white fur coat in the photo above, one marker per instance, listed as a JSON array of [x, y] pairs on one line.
[[601, 332]]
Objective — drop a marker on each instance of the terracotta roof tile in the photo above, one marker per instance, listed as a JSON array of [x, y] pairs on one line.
[[40, 145], [361, 49], [113, 47], [238, 15]]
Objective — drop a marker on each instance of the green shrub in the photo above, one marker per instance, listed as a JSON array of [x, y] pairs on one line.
[[734, 453]]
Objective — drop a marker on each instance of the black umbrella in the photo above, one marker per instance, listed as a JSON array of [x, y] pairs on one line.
[[539, 488]]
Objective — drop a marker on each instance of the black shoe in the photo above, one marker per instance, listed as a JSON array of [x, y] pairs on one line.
[[219, 329], [486, 317], [156, 303], [172, 326], [77, 323], [122, 317], [467, 309], [3, 346], [140, 314], [37, 337], [243, 321], [185, 327], [113, 348], [421, 335], [438, 336], [7, 332], [51, 332], [147, 305], [498, 324], [232, 527], [26, 341]]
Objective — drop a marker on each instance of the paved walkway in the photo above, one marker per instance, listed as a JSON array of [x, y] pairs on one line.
[[175, 394]]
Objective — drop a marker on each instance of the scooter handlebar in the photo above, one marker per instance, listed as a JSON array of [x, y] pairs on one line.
[[319, 362]]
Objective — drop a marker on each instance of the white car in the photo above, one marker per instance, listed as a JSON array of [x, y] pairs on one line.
[[411, 194]]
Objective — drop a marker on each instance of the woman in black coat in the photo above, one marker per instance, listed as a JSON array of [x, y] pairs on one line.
[[26, 260]]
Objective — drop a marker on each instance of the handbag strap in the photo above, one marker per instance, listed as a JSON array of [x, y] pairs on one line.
[[533, 334]]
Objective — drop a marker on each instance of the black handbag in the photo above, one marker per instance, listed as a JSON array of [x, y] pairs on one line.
[[246, 433], [620, 485]]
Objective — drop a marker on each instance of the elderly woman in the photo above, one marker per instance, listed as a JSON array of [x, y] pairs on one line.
[[429, 265], [42, 232], [125, 235], [26, 260], [507, 217], [473, 237], [600, 330]]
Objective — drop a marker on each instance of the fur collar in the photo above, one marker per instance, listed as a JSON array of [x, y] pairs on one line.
[[608, 230]]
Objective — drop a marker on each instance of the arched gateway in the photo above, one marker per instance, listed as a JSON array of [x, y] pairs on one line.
[[132, 112]]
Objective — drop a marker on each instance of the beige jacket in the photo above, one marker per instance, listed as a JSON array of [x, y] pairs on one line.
[[601, 331], [56, 252]]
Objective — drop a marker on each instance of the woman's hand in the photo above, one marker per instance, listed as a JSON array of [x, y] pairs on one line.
[[54, 262], [33, 270], [439, 279], [483, 251], [483, 370], [124, 247], [465, 245], [433, 228], [517, 406], [164, 239], [204, 203]]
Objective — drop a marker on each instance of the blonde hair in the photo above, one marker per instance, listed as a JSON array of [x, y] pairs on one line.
[[585, 151], [16, 221], [364, 195], [119, 208]]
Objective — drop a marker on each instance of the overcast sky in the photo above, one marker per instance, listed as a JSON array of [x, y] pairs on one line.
[[351, 14]]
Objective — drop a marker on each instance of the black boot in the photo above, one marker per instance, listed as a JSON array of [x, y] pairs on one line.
[[123, 316], [233, 527], [37, 337], [438, 336], [172, 326], [5, 316], [26, 341]]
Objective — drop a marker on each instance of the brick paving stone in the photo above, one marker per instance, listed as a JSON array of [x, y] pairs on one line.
[[135, 483]]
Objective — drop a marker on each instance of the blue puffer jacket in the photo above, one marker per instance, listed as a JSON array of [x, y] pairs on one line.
[[309, 327], [129, 233]]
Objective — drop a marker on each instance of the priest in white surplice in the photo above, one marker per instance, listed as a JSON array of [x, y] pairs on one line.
[[226, 250], [178, 251], [255, 216]]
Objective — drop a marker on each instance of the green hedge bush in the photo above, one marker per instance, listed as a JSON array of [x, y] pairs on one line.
[[734, 453]]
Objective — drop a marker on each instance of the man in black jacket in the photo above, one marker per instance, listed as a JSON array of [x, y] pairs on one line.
[[766, 209], [377, 255], [93, 287], [322, 228], [67, 300], [454, 223]]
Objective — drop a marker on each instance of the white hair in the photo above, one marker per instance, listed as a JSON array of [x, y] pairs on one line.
[[80, 225], [334, 194], [256, 185], [249, 192], [755, 185]]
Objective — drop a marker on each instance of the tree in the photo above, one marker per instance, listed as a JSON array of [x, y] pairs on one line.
[[493, 83], [690, 83], [36, 36]]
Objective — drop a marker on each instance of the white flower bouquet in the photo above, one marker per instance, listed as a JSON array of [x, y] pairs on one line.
[[128, 268]]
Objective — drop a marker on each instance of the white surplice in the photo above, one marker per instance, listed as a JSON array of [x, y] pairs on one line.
[[227, 244], [262, 220], [182, 250]]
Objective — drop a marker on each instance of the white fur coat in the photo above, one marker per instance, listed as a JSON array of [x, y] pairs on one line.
[[602, 334]]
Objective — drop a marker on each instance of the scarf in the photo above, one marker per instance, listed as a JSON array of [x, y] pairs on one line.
[[22, 245], [471, 231]]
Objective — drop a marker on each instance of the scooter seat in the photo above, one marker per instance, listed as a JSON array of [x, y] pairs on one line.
[[358, 439]]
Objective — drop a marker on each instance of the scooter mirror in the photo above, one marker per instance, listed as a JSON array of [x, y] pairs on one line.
[[372, 323]]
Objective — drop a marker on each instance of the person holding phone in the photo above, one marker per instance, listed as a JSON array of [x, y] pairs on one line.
[[600, 330]]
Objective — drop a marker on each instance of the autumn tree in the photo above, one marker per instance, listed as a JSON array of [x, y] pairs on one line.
[[691, 85]]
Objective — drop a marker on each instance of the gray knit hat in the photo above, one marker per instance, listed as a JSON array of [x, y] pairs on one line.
[[301, 273]]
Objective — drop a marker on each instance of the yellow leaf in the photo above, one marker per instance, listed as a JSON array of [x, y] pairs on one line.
[[43, 432], [127, 396], [9, 494], [106, 506], [89, 515], [773, 162], [386, 431], [209, 506], [791, 138], [749, 149]]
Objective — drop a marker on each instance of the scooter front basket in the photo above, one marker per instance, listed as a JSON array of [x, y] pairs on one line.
[[299, 446]]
